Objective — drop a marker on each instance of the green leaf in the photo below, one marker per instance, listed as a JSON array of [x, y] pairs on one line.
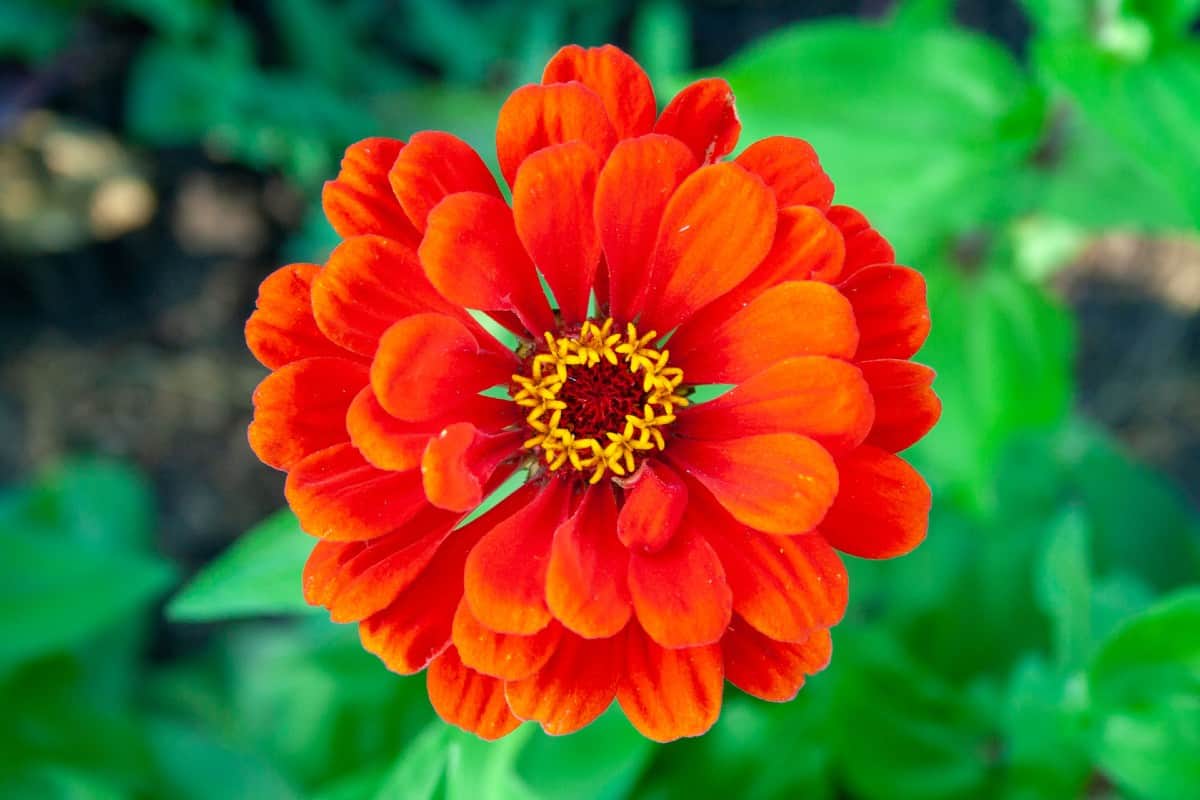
[[32, 30], [1065, 588], [600, 762], [1043, 728], [196, 765], [662, 40], [421, 766], [480, 770], [259, 574]]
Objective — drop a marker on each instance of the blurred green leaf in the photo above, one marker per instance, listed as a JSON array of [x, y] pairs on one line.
[[480, 770], [175, 18], [259, 574], [600, 762], [1065, 587], [195, 765], [1046, 754], [420, 768], [32, 30], [661, 39]]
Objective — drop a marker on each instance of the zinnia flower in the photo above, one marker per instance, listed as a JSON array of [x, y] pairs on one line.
[[657, 546]]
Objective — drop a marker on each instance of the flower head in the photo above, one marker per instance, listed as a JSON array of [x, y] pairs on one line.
[[656, 546]]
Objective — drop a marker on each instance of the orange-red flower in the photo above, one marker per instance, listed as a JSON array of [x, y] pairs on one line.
[[657, 546]]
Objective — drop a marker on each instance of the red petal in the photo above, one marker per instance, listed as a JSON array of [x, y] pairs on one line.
[[632, 192], [585, 580], [502, 655], [905, 406], [281, 329], [534, 117], [618, 80], [338, 496], [864, 245], [369, 284], [716, 229], [468, 699], [506, 571], [679, 594], [471, 253], [823, 398], [882, 509], [668, 694], [552, 208], [797, 318], [460, 460], [890, 309], [301, 408], [776, 482], [575, 686], [791, 168], [703, 117], [771, 670], [360, 201], [655, 499], [433, 165]]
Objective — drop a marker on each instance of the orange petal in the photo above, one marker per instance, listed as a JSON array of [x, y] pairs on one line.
[[616, 78], [882, 509], [506, 571], [585, 580], [338, 496], [679, 593], [775, 482], [791, 168], [632, 192], [864, 245], [460, 460], [797, 318], [281, 329], [655, 499], [771, 670], [301, 408], [575, 686], [468, 699], [668, 694], [360, 201], [501, 655], [905, 406], [703, 117], [368, 284], [552, 208], [823, 398], [890, 310], [534, 117], [472, 254], [428, 365], [716, 229], [433, 165]]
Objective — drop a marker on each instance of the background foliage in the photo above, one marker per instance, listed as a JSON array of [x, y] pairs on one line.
[[1043, 643]]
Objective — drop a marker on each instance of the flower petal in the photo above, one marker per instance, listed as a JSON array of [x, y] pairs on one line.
[[668, 694], [552, 208], [369, 284], [716, 229], [906, 407], [823, 398], [534, 117], [468, 699], [585, 579], [771, 670], [575, 686], [428, 365], [864, 245], [890, 310], [655, 499], [620, 82], [506, 571], [796, 318], [775, 482], [433, 165], [501, 655], [281, 329], [301, 408], [703, 117], [360, 201], [472, 254], [791, 168], [882, 509], [338, 496], [459, 462], [633, 190], [679, 594]]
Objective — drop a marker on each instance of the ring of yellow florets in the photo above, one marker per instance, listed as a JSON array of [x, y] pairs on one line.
[[629, 368]]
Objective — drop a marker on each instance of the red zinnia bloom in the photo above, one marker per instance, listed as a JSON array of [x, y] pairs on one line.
[[658, 547]]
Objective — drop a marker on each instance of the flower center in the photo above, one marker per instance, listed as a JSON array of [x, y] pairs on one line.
[[598, 400]]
